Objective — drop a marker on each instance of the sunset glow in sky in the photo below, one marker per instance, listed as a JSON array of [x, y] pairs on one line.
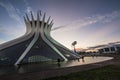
[[89, 22]]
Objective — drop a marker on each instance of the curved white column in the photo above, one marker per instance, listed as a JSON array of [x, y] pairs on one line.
[[42, 30], [47, 33], [36, 30]]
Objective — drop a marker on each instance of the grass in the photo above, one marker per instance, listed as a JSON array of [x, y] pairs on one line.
[[111, 72]]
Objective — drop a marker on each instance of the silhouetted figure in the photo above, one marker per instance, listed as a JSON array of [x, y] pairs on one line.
[[83, 60], [82, 57], [78, 59], [58, 60]]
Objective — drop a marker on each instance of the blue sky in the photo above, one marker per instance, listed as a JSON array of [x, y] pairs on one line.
[[89, 22]]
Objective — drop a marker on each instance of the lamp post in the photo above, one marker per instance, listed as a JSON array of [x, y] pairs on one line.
[[73, 44]]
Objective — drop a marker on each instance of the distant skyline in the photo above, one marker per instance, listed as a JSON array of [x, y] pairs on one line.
[[89, 22]]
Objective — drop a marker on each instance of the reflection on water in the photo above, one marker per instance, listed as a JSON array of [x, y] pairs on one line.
[[50, 65], [86, 60]]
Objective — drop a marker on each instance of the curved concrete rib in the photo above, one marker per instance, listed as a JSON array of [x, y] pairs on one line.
[[34, 39], [42, 30], [28, 25], [36, 30], [47, 33]]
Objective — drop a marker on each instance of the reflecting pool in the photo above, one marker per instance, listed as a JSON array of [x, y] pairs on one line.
[[35, 67]]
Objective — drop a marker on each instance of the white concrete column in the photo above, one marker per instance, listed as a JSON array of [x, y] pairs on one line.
[[104, 50], [110, 50], [115, 48]]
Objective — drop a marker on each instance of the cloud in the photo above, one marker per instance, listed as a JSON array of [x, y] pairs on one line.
[[57, 28], [98, 46], [117, 42], [104, 45], [7, 33], [12, 11], [28, 8], [91, 20], [2, 29], [18, 31], [2, 41]]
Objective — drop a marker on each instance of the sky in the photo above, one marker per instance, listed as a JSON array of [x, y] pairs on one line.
[[89, 22]]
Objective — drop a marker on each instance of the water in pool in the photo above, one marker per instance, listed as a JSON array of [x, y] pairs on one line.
[[50, 65]]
